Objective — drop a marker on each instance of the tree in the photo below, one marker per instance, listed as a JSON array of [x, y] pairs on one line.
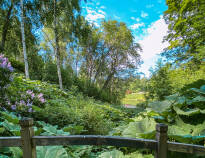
[[159, 84], [23, 41], [57, 53], [55, 16], [11, 37], [6, 26], [186, 29], [123, 52]]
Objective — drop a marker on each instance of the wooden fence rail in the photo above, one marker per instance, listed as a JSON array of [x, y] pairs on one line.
[[28, 141]]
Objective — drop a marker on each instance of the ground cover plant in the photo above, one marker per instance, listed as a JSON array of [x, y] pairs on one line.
[[73, 76]]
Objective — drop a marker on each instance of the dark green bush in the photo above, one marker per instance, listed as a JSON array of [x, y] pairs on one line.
[[90, 117], [19, 66], [50, 74]]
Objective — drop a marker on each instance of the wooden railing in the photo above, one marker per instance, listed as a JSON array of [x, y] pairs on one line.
[[28, 141]]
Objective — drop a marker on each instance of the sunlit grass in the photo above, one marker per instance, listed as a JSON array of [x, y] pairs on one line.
[[134, 98]]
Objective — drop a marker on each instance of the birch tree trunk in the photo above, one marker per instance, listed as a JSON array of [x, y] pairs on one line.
[[57, 52], [24, 42]]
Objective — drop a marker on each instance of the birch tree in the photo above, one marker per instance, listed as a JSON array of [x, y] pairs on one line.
[[23, 41], [57, 52]]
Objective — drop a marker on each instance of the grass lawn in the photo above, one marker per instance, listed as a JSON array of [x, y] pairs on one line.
[[134, 98]]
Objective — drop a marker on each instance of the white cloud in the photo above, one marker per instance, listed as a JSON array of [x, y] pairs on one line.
[[136, 26], [103, 7], [102, 12], [143, 14], [94, 16], [137, 19], [152, 44]]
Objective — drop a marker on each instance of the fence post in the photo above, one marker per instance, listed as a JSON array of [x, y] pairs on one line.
[[161, 137], [27, 132]]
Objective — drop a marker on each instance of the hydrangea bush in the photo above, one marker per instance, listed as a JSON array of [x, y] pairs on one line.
[[26, 101], [5, 76], [5, 71], [16, 100]]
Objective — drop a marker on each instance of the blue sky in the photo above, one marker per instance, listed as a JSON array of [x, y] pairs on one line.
[[143, 17]]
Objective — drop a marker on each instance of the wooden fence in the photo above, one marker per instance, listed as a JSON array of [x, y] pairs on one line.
[[28, 141]]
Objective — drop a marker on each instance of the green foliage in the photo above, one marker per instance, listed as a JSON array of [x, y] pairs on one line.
[[119, 154], [184, 115], [92, 90], [166, 80], [36, 65], [113, 154], [51, 152], [141, 129], [14, 152], [50, 74], [187, 133], [50, 130], [5, 77], [186, 29], [159, 84], [83, 114], [19, 66]]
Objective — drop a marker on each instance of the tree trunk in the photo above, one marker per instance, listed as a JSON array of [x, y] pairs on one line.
[[57, 52], [5, 28], [24, 42], [102, 60], [109, 78]]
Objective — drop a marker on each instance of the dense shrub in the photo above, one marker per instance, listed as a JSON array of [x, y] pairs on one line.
[[50, 74], [46, 102], [92, 90], [5, 77], [19, 66], [36, 65]]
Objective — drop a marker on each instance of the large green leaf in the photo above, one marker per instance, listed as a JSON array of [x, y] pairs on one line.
[[51, 130], [188, 112], [159, 106], [112, 154], [141, 129], [187, 133], [51, 152], [4, 156], [16, 152], [119, 154], [199, 99], [13, 128], [200, 91], [139, 155], [10, 117], [73, 129]]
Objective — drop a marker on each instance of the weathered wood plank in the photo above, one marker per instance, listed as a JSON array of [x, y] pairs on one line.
[[27, 132], [10, 141], [186, 148], [94, 140], [161, 138]]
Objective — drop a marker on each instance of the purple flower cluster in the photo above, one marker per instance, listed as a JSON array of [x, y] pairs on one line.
[[5, 64], [26, 101], [38, 97]]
